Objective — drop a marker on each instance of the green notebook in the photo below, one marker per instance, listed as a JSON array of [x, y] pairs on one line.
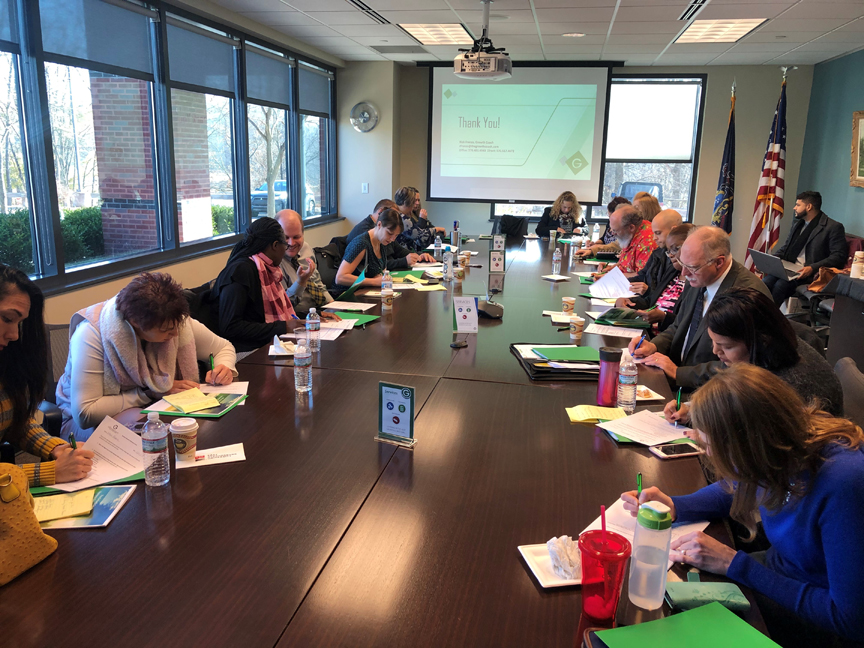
[[361, 318], [710, 626], [404, 273], [568, 353], [50, 490], [586, 280]]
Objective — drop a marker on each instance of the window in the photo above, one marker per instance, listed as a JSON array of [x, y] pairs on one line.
[[315, 128], [101, 132], [268, 143]]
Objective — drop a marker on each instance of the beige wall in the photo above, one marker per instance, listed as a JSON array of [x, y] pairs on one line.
[[758, 91], [59, 309]]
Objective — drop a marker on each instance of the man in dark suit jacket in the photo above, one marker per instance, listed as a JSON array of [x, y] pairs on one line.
[[684, 351], [814, 240]]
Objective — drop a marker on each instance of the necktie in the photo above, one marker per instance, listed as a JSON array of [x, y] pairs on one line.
[[695, 321]]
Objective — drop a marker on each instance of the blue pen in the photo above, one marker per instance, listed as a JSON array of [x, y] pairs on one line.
[[641, 340]]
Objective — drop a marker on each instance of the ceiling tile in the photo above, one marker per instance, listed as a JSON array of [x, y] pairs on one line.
[[614, 50], [572, 4], [505, 27], [531, 56], [596, 14], [763, 36], [816, 24], [742, 58], [306, 31], [241, 6], [442, 50], [573, 49], [360, 57], [857, 26], [406, 5], [554, 39], [845, 36], [280, 18], [640, 39], [329, 41], [594, 28], [801, 58], [777, 48], [476, 17], [574, 57], [341, 17], [685, 59], [823, 45], [699, 48], [524, 49], [517, 39], [319, 5], [411, 57], [433, 16], [655, 13], [665, 27], [369, 30], [751, 10], [498, 6], [681, 4], [809, 10], [385, 40]]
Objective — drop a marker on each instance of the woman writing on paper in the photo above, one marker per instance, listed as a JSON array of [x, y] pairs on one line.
[[247, 302], [801, 471], [126, 352], [564, 217], [367, 252], [23, 374], [746, 327]]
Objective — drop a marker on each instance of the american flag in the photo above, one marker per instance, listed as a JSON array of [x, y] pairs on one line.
[[765, 229]]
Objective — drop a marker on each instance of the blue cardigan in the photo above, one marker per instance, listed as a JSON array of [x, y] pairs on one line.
[[816, 560]]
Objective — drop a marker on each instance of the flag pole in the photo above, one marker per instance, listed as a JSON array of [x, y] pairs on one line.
[[770, 218]]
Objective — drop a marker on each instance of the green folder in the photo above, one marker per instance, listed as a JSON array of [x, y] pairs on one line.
[[361, 318], [586, 280], [345, 295], [568, 353], [404, 273], [709, 626], [50, 490]]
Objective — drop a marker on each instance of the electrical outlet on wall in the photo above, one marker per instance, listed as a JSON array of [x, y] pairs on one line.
[[364, 187]]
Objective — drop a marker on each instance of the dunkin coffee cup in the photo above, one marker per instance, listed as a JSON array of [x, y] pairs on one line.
[[577, 324], [859, 257], [568, 304], [184, 432], [464, 259], [387, 299], [459, 273]]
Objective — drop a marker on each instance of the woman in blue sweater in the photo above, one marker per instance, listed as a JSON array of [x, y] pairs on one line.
[[802, 472]]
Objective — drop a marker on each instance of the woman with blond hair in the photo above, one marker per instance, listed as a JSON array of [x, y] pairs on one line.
[[799, 470], [647, 205], [564, 216]]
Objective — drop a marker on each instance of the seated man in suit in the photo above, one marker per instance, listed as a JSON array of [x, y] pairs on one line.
[[398, 256], [684, 351], [814, 240], [299, 277]]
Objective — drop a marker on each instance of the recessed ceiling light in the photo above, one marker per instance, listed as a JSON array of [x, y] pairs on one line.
[[719, 31], [443, 34], [574, 35]]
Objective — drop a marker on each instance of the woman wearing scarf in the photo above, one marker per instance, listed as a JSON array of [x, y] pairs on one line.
[[248, 296], [564, 217], [129, 351]]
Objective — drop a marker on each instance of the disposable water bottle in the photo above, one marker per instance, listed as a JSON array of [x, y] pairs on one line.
[[650, 555], [595, 233], [556, 261], [313, 330], [454, 234], [448, 266], [302, 369], [628, 376], [154, 442], [386, 281], [437, 245]]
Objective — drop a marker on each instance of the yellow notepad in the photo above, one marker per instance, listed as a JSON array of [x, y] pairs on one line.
[[431, 288], [56, 507], [594, 414], [191, 400], [414, 279]]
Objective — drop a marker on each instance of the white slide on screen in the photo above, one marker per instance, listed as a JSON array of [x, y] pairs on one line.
[[527, 138]]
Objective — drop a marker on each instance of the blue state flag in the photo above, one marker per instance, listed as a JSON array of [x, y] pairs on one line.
[[724, 199]]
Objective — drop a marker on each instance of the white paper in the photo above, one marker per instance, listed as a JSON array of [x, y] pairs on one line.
[[525, 350], [647, 428], [545, 313], [323, 334], [615, 331], [225, 454], [600, 306], [238, 387], [117, 455], [531, 236], [619, 520], [611, 285], [345, 324], [554, 277], [407, 285], [582, 274], [594, 314], [575, 365], [348, 306], [592, 262], [644, 393], [427, 266], [562, 319]]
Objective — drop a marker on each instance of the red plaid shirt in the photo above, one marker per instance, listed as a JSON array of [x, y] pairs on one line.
[[634, 257]]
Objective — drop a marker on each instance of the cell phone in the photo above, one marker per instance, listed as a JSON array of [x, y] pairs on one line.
[[676, 450]]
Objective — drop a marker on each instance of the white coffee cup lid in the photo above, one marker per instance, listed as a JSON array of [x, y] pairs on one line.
[[183, 424]]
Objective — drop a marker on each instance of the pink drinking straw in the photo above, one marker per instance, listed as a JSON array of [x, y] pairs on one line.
[[603, 522]]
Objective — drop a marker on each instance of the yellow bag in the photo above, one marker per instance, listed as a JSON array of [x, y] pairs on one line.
[[22, 541]]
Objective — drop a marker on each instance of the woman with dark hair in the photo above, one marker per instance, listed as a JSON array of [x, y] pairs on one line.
[[563, 216], [417, 232], [368, 251], [802, 472], [23, 372], [126, 352], [248, 301], [746, 327]]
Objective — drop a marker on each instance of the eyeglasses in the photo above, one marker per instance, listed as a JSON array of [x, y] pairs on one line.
[[695, 269], [673, 252]]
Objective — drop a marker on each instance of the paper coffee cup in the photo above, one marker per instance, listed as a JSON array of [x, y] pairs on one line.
[[387, 299], [464, 259], [184, 432], [859, 257], [568, 304], [577, 325], [459, 273], [857, 271]]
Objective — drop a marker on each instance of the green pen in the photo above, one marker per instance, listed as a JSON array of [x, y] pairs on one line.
[[678, 404], [652, 308], [212, 371], [72, 441], [639, 483]]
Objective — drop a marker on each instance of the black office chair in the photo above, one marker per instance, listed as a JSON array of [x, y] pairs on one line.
[[513, 225], [327, 260], [852, 382], [58, 351]]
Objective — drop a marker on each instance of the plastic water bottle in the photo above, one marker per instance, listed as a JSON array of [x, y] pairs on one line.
[[386, 280], [313, 330], [650, 555], [628, 376], [154, 442], [595, 233], [448, 266], [455, 238], [302, 369], [437, 245], [556, 261]]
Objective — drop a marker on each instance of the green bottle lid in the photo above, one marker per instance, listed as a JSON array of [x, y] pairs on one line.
[[655, 515]]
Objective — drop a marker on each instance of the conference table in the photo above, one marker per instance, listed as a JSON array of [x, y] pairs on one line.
[[325, 537]]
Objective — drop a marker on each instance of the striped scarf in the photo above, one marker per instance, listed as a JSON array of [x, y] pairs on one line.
[[277, 308]]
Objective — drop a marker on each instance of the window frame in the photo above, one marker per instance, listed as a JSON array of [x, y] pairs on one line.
[[652, 78], [50, 272]]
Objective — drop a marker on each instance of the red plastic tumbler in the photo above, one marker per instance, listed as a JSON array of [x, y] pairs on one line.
[[607, 386], [604, 556]]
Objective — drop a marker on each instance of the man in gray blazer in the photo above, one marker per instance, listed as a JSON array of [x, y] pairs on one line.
[[684, 351], [814, 240]]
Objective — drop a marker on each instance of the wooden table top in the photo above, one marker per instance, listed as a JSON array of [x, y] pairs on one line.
[[325, 537]]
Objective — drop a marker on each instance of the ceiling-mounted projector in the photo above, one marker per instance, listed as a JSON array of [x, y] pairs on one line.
[[483, 60]]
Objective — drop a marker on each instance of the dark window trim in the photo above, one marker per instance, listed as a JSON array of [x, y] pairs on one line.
[[96, 66], [191, 87], [267, 104], [10, 46]]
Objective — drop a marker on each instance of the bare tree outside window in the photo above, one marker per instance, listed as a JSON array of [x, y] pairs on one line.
[[267, 167]]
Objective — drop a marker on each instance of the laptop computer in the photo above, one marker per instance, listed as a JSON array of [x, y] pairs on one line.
[[775, 266]]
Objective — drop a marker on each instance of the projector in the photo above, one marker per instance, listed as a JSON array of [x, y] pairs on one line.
[[483, 65]]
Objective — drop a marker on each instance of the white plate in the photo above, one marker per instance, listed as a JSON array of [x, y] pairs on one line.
[[652, 395], [537, 557]]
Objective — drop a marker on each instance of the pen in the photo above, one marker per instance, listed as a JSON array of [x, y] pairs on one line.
[[638, 484], [72, 441], [678, 404], [212, 371], [652, 308], [566, 328], [641, 340]]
